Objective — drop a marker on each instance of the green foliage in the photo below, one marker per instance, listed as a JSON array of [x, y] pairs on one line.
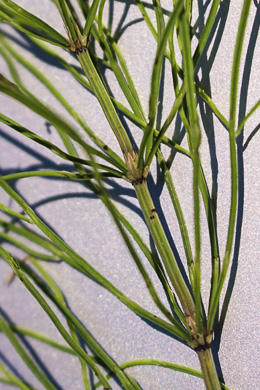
[[184, 317]]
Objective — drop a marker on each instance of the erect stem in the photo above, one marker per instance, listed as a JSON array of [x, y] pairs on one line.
[[209, 372], [162, 244]]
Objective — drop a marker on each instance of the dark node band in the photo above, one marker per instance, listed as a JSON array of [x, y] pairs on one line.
[[202, 347], [80, 49], [140, 180]]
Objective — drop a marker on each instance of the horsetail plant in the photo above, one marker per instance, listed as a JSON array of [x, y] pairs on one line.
[[185, 317]]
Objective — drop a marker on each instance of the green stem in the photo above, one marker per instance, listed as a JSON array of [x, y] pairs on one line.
[[42, 338], [159, 237], [146, 18], [81, 264], [44, 80], [25, 97], [163, 364], [101, 94], [195, 138], [125, 111], [13, 380], [9, 211], [27, 249], [233, 159], [24, 355], [108, 44], [243, 121], [53, 148], [208, 368], [61, 174], [179, 214]]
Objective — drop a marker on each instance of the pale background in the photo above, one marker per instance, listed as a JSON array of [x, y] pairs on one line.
[[83, 222]]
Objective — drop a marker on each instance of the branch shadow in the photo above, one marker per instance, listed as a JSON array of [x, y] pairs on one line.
[[13, 369], [207, 118], [28, 346], [206, 114], [241, 146], [205, 65]]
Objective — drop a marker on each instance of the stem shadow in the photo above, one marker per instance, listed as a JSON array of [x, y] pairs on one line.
[[241, 179], [31, 350]]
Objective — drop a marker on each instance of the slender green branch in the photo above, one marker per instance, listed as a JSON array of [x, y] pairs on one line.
[[21, 351], [179, 214], [13, 380], [25, 248], [24, 21], [159, 18], [16, 268], [233, 158], [195, 138], [127, 75], [80, 263], [14, 213], [146, 18], [62, 174], [34, 104], [35, 71], [212, 105], [243, 121], [42, 338], [159, 363], [155, 84], [91, 16], [155, 227], [53, 148], [164, 364], [126, 85], [84, 373], [48, 279], [160, 135], [105, 102], [206, 31]]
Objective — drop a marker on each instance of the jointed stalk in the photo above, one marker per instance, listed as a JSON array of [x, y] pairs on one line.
[[194, 139], [187, 321], [125, 111], [209, 372], [161, 242]]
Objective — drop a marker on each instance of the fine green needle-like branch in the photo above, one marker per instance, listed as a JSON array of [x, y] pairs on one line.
[[233, 156], [194, 138], [24, 21], [97, 48]]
